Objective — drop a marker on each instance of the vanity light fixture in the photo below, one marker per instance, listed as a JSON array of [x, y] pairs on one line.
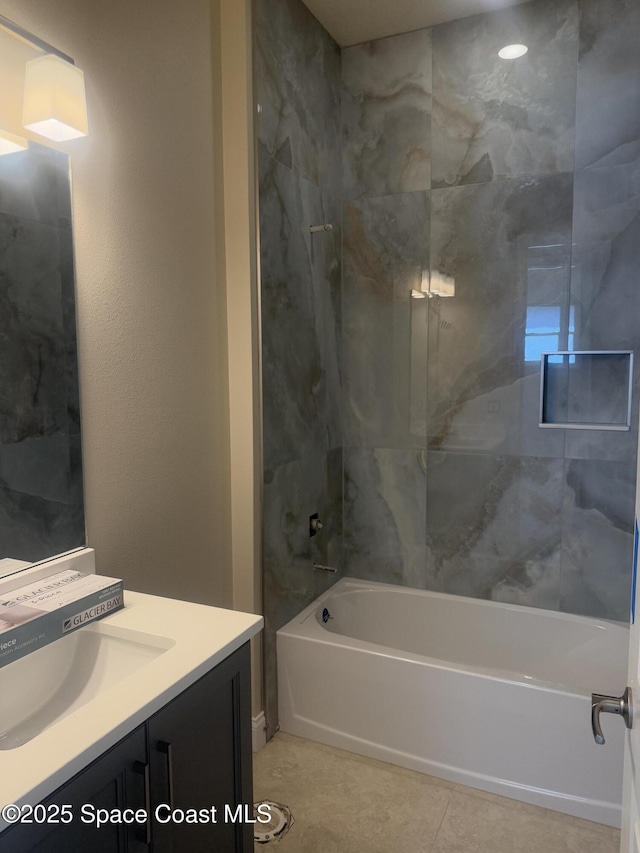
[[513, 51], [424, 286], [10, 143], [54, 99], [442, 285], [435, 284]]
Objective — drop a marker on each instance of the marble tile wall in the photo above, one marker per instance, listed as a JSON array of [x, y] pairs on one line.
[[600, 467], [495, 119], [412, 424], [298, 74], [518, 182], [386, 254], [608, 120], [41, 499], [482, 393], [386, 116], [298, 78]]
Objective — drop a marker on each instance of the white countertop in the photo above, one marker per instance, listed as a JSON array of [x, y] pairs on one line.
[[200, 637]]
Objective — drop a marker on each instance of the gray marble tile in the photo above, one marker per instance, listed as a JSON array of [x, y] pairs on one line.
[[32, 346], [38, 466], [597, 538], [384, 515], [299, 274], [606, 237], [298, 88], [293, 592], [604, 445], [326, 255], [299, 129], [386, 115], [507, 248], [76, 488], [504, 420], [292, 493], [34, 185], [495, 118], [69, 329], [608, 117], [333, 530], [32, 528], [532, 583], [386, 255], [494, 527]]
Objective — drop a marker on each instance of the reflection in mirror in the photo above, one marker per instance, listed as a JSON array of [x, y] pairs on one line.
[[41, 496]]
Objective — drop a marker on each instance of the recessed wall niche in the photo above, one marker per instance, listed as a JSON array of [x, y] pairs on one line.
[[586, 390]]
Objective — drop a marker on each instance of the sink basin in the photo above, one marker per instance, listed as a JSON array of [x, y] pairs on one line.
[[47, 685]]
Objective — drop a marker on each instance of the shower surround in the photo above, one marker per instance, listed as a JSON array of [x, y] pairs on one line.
[[412, 424]]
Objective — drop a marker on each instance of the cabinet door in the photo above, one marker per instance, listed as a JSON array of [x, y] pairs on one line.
[[116, 780], [200, 756]]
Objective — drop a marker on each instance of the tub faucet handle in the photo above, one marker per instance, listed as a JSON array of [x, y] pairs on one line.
[[621, 705]]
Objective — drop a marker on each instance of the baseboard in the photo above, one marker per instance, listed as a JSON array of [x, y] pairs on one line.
[[258, 732]]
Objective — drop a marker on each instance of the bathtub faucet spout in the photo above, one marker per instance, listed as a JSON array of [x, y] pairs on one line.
[[318, 568]]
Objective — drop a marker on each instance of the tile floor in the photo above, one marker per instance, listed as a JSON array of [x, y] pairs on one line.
[[343, 803]]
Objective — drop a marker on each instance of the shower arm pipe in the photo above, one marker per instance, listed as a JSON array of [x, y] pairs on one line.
[[318, 568], [28, 37], [316, 228]]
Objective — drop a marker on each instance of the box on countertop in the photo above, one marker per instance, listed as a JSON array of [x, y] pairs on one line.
[[45, 610]]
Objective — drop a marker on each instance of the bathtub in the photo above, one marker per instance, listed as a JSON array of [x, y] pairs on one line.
[[494, 696]]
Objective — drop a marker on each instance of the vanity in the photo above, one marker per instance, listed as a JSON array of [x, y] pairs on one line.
[[132, 733], [139, 735]]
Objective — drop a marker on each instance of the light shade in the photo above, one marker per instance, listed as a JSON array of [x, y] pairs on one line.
[[54, 100], [513, 51], [10, 143]]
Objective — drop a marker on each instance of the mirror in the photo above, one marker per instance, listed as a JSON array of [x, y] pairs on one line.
[[41, 495]]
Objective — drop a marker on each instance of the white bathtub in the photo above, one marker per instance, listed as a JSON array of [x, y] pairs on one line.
[[490, 695]]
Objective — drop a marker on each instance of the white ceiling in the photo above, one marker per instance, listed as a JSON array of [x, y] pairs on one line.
[[354, 21]]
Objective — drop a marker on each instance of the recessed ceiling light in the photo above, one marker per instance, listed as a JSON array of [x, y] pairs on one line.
[[513, 51]]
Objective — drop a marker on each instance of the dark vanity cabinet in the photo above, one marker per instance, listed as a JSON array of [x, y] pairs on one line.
[[190, 761], [113, 781], [199, 757]]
